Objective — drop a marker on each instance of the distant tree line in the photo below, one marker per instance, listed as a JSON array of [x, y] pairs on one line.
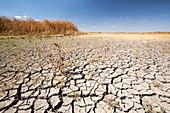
[[16, 27]]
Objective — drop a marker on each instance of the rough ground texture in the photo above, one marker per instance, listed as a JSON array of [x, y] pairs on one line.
[[90, 74]]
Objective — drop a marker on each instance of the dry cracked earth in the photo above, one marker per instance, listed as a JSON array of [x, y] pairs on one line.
[[85, 74]]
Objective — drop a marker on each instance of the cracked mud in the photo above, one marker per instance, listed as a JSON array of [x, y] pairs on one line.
[[90, 74]]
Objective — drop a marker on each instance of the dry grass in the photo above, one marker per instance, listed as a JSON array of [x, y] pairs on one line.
[[31, 27], [156, 83], [134, 36]]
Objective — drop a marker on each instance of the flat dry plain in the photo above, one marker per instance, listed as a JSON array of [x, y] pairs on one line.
[[98, 73]]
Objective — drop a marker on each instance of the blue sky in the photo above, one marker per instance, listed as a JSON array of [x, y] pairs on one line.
[[95, 15]]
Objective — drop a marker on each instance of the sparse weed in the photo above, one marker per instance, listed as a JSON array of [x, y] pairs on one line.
[[137, 52], [61, 64], [150, 105], [156, 83], [111, 103], [165, 50], [61, 85], [90, 61], [75, 95], [163, 110], [60, 79], [102, 60], [106, 49], [147, 106], [39, 49]]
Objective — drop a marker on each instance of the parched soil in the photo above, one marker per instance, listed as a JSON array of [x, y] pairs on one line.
[[101, 73]]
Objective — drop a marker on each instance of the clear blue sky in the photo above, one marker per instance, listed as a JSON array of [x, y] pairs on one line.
[[95, 15]]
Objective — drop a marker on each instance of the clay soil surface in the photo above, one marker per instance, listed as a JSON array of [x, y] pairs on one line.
[[97, 73]]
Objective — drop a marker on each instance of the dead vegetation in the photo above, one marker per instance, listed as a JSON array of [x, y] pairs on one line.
[[17, 27]]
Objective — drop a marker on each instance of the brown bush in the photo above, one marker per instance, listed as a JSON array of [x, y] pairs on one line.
[[15, 27]]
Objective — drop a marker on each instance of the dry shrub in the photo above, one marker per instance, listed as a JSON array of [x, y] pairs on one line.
[[15, 27]]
